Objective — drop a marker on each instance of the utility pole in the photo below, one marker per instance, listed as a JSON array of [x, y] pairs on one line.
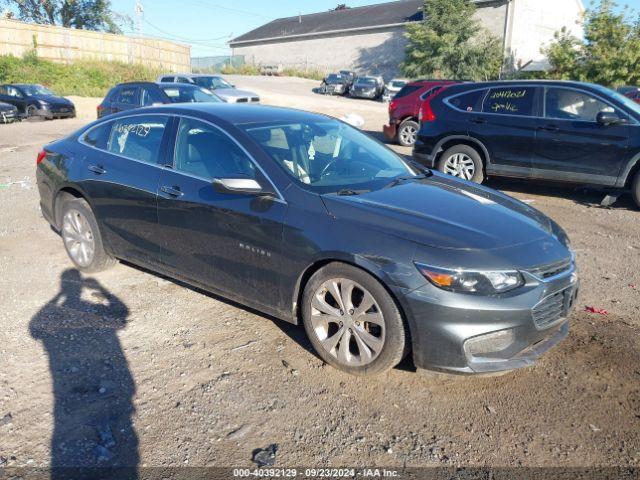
[[139, 11]]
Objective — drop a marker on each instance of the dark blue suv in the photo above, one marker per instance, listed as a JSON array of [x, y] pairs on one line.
[[548, 130]]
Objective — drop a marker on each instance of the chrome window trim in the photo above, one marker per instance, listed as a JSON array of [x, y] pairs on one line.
[[632, 120], [280, 198]]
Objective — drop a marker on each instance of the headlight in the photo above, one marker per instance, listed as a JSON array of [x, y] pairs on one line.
[[474, 282]]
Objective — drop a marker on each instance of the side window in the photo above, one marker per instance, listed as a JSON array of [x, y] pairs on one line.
[[151, 96], [98, 137], [182, 80], [14, 92], [167, 79], [566, 104], [3, 90], [469, 102], [139, 137], [510, 101], [206, 152], [407, 90], [128, 96]]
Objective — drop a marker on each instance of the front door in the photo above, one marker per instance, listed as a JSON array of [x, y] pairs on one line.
[[227, 241], [121, 177], [571, 145]]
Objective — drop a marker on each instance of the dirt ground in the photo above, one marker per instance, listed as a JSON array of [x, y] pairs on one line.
[[126, 367]]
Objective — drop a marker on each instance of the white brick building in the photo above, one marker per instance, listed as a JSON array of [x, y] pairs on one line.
[[370, 39]]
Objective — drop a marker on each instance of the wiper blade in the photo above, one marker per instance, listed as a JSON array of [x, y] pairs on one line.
[[350, 193], [399, 180], [421, 168]]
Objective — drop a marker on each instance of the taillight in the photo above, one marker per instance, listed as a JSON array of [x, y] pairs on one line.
[[100, 110], [393, 105], [426, 113], [41, 156]]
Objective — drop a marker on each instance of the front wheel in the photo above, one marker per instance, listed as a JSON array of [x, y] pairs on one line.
[[462, 161], [352, 321], [635, 189], [81, 237], [407, 133], [31, 111]]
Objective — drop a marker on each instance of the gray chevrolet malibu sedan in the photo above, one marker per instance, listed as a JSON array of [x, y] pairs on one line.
[[308, 219]]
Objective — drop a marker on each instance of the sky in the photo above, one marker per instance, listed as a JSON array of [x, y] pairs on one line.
[[207, 25]]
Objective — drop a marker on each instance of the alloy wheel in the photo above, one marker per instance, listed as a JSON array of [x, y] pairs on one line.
[[460, 165], [31, 111], [348, 322], [78, 238], [408, 134]]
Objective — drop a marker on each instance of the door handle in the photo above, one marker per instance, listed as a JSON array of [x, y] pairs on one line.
[[97, 169], [173, 191], [549, 128]]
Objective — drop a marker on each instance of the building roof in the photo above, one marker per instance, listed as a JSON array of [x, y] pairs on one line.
[[358, 18]]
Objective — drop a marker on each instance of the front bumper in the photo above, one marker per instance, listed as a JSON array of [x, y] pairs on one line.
[[9, 116], [360, 94], [390, 131], [442, 324], [425, 159], [56, 112]]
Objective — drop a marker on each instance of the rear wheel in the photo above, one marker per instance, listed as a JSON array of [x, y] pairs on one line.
[[81, 237], [32, 111], [352, 321], [462, 161], [407, 133], [635, 189]]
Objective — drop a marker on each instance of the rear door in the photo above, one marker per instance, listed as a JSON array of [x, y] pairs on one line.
[[507, 126], [13, 96], [571, 145], [122, 175], [128, 98], [230, 242]]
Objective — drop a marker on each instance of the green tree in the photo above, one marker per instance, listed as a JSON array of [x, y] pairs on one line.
[[83, 14], [450, 43], [609, 53]]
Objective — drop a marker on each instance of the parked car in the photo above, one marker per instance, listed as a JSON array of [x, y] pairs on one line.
[[306, 218], [228, 92], [127, 96], [367, 87], [334, 84], [560, 131], [350, 77], [631, 92], [405, 108], [392, 88], [8, 113], [36, 101], [271, 70]]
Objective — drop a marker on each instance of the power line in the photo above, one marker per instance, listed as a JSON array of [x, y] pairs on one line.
[[208, 5], [185, 39]]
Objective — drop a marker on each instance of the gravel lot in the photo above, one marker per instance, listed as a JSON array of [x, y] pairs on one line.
[[154, 373]]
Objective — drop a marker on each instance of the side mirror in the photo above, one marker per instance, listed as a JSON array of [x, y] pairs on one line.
[[608, 118], [237, 185]]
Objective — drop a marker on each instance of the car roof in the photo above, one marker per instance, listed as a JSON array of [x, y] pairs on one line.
[[429, 82], [177, 84], [191, 75], [236, 114], [506, 83]]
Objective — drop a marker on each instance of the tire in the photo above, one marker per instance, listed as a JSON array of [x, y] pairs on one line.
[[81, 237], [635, 189], [357, 347], [407, 133], [467, 158], [31, 111]]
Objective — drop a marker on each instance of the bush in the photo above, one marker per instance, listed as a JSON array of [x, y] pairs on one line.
[[85, 78]]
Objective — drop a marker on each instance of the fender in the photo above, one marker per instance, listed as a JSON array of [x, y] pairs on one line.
[[626, 170], [324, 258], [473, 140]]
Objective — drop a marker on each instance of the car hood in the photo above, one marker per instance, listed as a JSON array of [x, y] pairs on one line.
[[6, 106], [444, 212], [233, 93], [53, 99]]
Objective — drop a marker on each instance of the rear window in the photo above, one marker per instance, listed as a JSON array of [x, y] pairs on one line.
[[469, 102], [407, 90], [510, 101], [128, 96]]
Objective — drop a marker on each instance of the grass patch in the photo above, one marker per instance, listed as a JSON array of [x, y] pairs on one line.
[[84, 78]]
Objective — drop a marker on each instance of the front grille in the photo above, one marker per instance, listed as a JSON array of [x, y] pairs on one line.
[[551, 270], [552, 309]]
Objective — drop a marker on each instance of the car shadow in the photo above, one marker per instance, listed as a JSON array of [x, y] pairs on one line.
[[93, 387], [295, 333], [587, 196]]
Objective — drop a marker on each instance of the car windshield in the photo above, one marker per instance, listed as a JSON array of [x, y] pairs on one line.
[[30, 90], [212, 82], [398, 84], [366, 81], [334, 79], [328, 156], [626, 101], [189, 94]]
